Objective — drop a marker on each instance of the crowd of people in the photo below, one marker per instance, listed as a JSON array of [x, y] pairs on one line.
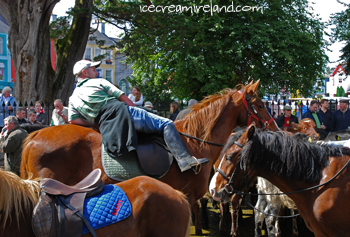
[[325, 120]]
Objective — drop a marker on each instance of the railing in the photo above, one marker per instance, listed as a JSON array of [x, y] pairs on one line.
[[163, 109]]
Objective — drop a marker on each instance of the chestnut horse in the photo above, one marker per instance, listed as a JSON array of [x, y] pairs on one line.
[[155, 206], [68, 153], [315, 176]]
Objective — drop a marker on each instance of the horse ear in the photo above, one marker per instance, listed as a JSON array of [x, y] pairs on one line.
[[253, 87], [251, 130]]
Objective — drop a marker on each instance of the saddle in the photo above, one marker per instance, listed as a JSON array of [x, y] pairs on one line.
[[59, 211]]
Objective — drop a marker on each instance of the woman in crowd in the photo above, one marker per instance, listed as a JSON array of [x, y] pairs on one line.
[[174, 110], [136, 96], [5, 108], [41, 116]]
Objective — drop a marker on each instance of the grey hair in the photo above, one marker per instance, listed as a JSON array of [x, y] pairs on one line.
[[12, 119], [58, 100], [6, 88], [192, 102]]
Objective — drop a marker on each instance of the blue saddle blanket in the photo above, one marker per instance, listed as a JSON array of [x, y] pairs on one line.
[[108, 207]]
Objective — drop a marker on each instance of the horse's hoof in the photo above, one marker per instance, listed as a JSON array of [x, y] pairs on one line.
[[199, 232]]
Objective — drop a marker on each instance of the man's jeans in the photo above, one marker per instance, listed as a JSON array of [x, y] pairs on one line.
[[147, 122]]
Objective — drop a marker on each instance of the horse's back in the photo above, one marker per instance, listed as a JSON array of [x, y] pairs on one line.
[[157, 210], [57, 150]]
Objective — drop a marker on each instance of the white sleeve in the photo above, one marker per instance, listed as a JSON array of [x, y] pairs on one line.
[[140, 102]]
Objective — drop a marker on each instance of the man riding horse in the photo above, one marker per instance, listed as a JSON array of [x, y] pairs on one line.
[[97, 103]]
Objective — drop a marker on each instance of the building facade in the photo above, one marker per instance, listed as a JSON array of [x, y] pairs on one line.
[[6, 77]]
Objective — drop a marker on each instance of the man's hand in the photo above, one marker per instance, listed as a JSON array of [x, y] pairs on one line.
[[323, 127]]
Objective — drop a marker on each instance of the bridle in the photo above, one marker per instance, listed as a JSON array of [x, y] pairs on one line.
[[253, 114], [230, 189]]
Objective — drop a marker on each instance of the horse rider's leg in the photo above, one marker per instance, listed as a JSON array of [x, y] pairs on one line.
[[235, 206], [151, 123], [258, 216]]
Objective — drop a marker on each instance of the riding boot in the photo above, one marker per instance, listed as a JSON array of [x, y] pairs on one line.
[[177, 148]]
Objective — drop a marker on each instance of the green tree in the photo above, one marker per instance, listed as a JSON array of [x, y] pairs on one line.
[[192, 55], [29, 44], [340, 31]]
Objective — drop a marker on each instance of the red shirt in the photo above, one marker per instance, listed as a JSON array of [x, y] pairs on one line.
[[287, 121]]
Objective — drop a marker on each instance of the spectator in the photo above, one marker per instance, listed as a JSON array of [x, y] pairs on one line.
[[341, 117], [186, 111], [174, 110], [5, 108], [32, 117], [11, 144], [326, 114], [274, 115], [41, 116], [59, 114], [301, 110], [312, 113], [21, 115], [267, 105], [287, 118], [136, 96], [149, 107]]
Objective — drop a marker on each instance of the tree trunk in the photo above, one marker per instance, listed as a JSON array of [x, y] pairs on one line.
[[29, 44]]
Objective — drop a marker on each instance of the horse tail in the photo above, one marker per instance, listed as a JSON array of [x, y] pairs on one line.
[[185, 200], [25, 155]]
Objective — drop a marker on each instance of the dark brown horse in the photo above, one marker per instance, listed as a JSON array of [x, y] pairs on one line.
[[155, 205], [292, 165], [68, 153]]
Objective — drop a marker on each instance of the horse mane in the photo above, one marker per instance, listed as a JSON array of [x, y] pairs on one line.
[[205, 114], [17, 194], [287, 157]]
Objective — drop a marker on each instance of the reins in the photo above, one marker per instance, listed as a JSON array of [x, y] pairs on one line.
[[198, 139]]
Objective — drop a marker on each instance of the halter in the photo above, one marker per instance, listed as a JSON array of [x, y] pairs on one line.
[[253, 114]]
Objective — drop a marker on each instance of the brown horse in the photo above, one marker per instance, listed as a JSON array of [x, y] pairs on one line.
[[155, 205], [68, 153], [292, 165], [306, 125]]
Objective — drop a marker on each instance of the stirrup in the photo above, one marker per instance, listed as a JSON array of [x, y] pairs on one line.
[[198, 167]]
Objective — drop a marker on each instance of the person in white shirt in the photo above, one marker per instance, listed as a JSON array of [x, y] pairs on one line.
[[59, 114], [136, 96]]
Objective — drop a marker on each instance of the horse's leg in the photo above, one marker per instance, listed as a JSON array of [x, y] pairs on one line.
[[205, 219], [224, 210], [258, 216], [272, 223], [197, 222], [295, 225], [235, 206]]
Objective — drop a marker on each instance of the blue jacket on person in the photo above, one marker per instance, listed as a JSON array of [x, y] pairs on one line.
[[340, 120], [309, 115]]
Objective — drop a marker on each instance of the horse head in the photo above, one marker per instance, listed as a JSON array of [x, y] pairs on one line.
[[256, 110], [307, 126], [230, 171]]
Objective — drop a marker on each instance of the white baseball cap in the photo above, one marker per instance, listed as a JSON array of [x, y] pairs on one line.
[[148, 103], [84, 64]]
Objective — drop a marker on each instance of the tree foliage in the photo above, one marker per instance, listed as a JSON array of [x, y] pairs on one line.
[[340, 31], [29, 44], [196, 54]]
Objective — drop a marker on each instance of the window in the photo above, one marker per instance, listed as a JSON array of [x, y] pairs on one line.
[[87, 54], [340, 79], [123, 87], [109, 73], [98, 52], [100, 73], [2, 71], [1, 45], [108, 56]]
